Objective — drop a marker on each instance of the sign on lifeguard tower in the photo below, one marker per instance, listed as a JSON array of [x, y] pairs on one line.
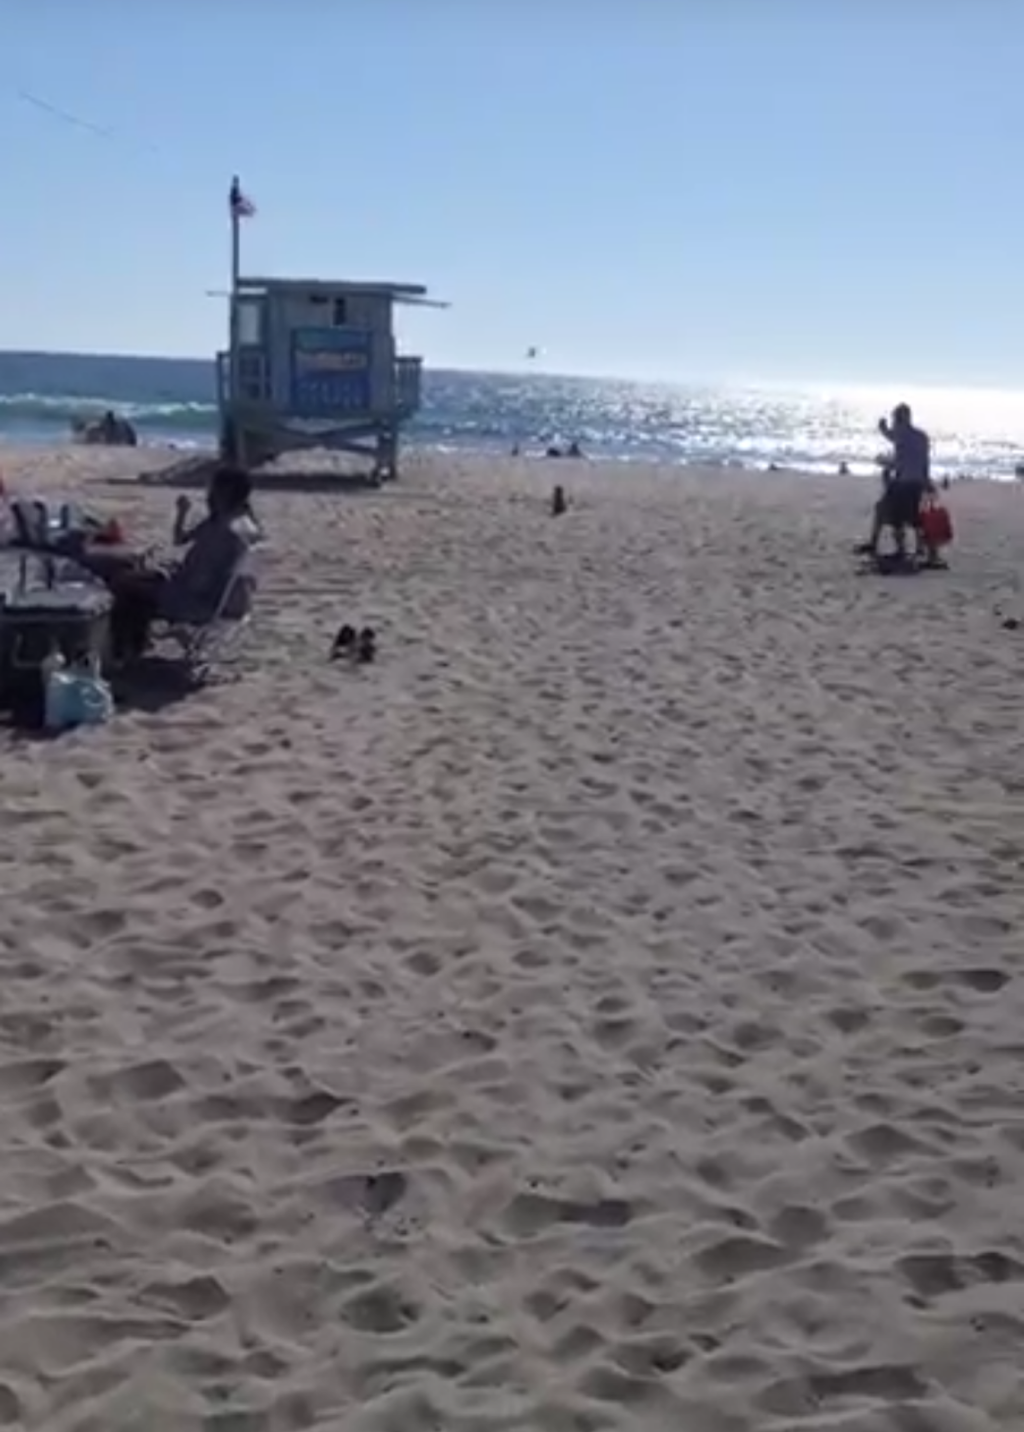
[[330, 371]]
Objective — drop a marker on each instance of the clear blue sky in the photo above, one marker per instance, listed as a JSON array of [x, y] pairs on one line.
[[749, 189]]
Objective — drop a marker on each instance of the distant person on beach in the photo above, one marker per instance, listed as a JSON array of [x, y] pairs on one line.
[[193, 589], [907, 480], [108, 431]]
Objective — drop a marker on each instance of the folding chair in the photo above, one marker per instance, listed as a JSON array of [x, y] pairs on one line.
[[31, 524], [217, 641]]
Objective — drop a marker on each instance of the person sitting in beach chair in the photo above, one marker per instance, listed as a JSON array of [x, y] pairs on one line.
[[209, 583], [906, 482]]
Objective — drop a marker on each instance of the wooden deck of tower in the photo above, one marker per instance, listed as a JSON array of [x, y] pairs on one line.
[[313, 364]]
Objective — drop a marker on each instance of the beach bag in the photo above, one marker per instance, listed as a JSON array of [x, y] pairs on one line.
[[936, 524], [77, 697]]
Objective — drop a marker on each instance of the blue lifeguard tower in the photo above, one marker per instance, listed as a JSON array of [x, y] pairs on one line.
[[313, 364]]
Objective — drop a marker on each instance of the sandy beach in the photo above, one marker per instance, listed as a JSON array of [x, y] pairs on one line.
[[603, 1012]]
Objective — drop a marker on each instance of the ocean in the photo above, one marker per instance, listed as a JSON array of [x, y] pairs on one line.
[[977, 433]]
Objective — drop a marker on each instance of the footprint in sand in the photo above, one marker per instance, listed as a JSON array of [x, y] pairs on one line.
[[740, 1255], [196, 1298], [531, 1213], [151, 1080], [382, 1308], [933, 1275], [983, 981]]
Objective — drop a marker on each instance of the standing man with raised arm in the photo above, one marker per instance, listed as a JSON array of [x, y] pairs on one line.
[[899, 506]]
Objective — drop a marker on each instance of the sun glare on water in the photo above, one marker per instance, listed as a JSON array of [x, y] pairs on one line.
[[993, 413]]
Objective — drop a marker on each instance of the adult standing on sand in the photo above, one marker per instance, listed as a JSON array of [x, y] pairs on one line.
[[899, 507]]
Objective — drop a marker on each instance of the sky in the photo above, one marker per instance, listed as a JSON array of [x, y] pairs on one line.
[[775, 191]]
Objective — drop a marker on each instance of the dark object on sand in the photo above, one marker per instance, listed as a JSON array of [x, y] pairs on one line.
[[68, 618], [1011, 623], [558, 502], [356, 646]]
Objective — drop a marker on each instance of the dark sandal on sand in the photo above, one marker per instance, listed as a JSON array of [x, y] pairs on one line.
[[344, 642], [367, 644]]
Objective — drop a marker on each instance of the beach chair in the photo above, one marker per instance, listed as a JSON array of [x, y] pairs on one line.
[[208, 647], [31, 524]]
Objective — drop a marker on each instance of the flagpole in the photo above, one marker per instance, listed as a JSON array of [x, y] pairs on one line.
[[229, 439], [236, 268]]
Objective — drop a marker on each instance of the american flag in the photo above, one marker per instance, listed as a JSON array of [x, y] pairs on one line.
[[240, 204]]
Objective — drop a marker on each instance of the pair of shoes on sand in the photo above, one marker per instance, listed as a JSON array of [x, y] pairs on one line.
[[357, 646]]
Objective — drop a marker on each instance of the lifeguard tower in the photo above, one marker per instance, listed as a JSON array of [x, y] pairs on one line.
[[313, 363]]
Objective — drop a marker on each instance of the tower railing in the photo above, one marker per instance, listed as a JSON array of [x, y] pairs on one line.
[[253, 376], [408, 384]]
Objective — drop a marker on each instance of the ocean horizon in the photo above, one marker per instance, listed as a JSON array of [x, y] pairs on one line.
[[975, 432]]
